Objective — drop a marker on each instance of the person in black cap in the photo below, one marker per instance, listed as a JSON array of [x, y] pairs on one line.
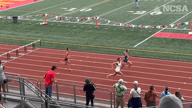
[[89, 88], [165, 92]]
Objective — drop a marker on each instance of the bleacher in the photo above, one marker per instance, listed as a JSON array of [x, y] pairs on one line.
[[29, 93]]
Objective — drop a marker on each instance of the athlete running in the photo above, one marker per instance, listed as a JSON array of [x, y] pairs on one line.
[[118, 64], [66, 59]]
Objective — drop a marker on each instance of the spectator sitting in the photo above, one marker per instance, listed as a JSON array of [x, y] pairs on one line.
[[170, 101], [150, 97], [89, 88], [119, 91], [166, 92], [177, 94], [135, 98]]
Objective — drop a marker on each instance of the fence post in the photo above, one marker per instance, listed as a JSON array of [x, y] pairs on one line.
[[40, 88], [48, 103], [114, 99], [22, 102], [20, 84], [74, 94], [57, 90], [7, 87], [2, 97], [111, 98], [23, 88]]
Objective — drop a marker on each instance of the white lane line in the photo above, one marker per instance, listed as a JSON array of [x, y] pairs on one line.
[[153, 59], [147, 12], [161, 29], [99, 54], [127, 76], [70, 75], [109, 65], [49, 7], [174, 71]]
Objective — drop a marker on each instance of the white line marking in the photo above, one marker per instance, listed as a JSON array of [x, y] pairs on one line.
[[115, 9], [147, 12], [71, 75], [102, 85], [79, 9], [178, 29], [161, 30], [153, 59], [4, 61], [13, 57], [148, 38], [111, 60], [48, 7], [95, 72], [104, 63], [174, 71]]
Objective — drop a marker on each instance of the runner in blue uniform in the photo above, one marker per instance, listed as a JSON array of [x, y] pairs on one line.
[[126, 58]]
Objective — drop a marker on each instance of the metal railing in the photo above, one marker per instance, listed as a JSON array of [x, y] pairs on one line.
[[67, 94], [75, 93], [25, 83]]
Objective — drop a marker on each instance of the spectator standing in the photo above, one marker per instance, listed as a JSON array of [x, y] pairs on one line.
[[120, 88], [89, 88], [178, 95], [170, 101], [135, 99], [166, 92], [150, 97], [49, 80], [3, 79]]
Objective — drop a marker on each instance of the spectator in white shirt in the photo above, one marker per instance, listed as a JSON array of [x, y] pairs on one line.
[[135, 99]]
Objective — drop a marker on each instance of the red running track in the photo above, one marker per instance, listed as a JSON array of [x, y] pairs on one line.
[[161, 73]]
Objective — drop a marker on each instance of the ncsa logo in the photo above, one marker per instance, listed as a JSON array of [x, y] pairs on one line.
[[175, 8]]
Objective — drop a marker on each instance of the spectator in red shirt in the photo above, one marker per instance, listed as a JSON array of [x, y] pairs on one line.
[[49, 79], [150, 97]]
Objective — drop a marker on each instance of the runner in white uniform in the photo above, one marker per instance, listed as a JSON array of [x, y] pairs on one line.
[[117, 69]]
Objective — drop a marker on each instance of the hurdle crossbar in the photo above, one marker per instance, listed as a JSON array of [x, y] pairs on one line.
[[20, 48]]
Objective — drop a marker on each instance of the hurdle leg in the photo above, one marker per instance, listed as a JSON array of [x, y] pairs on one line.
[[8, 56], [17, 52], [25, 49]]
